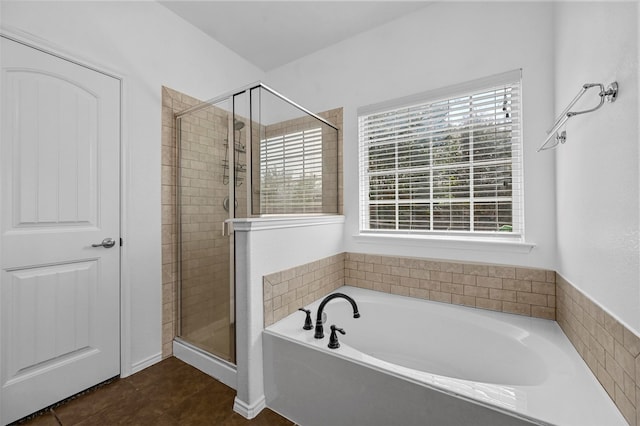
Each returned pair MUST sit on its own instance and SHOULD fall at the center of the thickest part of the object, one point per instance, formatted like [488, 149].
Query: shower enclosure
[251, 153]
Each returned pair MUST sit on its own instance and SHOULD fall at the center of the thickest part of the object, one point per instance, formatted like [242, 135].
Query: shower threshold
[215, 367]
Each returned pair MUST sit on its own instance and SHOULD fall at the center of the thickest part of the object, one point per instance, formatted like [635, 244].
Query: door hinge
[121, 242]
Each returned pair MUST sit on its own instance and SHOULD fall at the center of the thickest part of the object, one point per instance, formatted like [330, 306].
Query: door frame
[50, 48]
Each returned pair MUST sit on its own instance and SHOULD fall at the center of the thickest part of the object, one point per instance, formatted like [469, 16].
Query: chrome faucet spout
[319, 331]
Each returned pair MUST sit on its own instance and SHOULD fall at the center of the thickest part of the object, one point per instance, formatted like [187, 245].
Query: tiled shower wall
[611, 350]
[205, 251]
[522, 291]
[331, 157]
[334, 116]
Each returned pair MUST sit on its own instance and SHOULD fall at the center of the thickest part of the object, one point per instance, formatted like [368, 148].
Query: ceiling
[270, 34]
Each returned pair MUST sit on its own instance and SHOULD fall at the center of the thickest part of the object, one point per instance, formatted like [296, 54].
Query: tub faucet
[319, 334]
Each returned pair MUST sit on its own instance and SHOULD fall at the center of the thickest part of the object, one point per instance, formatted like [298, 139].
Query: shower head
[237, 124]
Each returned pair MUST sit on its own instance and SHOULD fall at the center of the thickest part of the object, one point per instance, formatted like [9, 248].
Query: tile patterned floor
[169, 393]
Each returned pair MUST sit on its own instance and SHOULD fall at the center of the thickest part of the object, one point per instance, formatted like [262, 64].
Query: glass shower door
[205, 182]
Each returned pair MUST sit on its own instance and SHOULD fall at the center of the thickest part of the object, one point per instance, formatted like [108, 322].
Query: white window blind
[441, 163]
[291, 173]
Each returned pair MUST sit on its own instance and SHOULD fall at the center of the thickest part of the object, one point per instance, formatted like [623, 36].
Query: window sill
[456, 243]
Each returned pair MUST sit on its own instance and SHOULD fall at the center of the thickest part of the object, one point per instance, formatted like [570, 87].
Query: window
[447, 162]
[291, 173]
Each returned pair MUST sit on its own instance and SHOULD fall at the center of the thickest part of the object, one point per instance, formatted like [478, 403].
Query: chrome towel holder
[610, 95]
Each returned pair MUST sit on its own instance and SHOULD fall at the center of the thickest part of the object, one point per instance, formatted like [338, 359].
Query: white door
[59, 195]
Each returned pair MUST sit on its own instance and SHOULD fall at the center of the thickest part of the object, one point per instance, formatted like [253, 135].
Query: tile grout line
[56, 417]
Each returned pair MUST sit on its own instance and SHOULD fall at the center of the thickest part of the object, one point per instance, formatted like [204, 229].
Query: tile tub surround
[611, 350]
[511, 289]
[523, 291]
[286, 291]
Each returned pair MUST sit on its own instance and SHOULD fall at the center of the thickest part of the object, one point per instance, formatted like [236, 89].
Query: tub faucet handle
[308, 324]
[333, 339]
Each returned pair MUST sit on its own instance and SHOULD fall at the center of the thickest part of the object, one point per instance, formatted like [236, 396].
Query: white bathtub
[408, 361]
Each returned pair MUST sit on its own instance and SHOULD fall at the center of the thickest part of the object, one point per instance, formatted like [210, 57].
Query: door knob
[106, 243]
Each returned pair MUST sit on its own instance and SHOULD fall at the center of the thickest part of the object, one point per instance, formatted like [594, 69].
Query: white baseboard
[249, 411]
[147, 362]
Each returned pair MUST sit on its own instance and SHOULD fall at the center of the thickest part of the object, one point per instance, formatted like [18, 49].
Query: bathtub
[409, 362]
